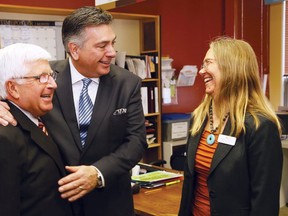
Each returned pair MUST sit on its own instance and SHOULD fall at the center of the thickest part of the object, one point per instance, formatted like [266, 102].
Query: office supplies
[172, 182]
[152, 185]
[152, 191]
[155, 176]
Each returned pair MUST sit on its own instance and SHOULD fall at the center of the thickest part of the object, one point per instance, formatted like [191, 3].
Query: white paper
[166, 95]
[187, 75]
[179, 130]
[100, 2]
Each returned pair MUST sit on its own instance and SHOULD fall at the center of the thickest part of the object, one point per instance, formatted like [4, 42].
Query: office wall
[187, 26]
[186, 30]
[72, 4]
[276, 84]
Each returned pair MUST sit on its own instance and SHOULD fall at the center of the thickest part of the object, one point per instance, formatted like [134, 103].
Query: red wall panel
[72, 4]
[187, 26]
[186, 29]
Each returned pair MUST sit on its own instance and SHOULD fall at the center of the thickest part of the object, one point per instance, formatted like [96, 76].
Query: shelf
[148, 29]
[150, 80]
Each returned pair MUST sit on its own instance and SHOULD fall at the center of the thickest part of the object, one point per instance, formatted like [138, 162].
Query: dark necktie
[85, 110]
[42, 126]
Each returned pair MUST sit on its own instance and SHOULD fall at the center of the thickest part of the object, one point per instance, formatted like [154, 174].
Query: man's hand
[5, 116]
[81, 181]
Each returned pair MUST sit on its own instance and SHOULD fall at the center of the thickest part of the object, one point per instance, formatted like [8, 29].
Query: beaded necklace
[211, 137]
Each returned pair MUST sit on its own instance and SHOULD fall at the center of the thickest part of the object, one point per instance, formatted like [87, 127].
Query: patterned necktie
[42, 126]
[85, 110]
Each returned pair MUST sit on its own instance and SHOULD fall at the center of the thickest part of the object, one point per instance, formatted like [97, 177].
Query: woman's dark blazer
[244, 179]
[30, 167]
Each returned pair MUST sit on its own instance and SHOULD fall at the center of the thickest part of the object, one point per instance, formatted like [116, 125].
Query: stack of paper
[157, 178]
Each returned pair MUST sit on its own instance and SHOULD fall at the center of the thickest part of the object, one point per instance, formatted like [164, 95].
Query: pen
[172, 182]
[152, 191]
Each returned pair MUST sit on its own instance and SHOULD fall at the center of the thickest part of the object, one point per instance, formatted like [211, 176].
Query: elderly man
[30, 163]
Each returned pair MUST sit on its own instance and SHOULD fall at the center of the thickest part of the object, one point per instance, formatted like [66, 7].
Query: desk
[162, 201]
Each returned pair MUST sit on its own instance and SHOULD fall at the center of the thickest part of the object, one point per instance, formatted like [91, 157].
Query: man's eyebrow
[106, 41]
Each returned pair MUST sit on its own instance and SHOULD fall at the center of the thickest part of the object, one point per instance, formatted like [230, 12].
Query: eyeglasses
[206, 63]
[43, 78]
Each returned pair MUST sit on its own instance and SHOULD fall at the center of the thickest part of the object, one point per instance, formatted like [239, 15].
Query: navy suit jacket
[30, 167]
[116, 136]
[244, 179]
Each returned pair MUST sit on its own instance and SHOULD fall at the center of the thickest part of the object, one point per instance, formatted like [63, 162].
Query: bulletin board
[39, 30]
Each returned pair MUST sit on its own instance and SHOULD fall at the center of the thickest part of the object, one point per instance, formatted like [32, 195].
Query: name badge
[229, 140]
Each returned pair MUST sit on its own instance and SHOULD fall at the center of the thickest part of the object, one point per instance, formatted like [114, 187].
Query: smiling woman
[235, 137]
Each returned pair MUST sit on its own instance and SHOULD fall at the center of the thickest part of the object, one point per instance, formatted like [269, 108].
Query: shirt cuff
[102, 178]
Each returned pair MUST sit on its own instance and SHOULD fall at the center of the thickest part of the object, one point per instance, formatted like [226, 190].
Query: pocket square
[120, 111]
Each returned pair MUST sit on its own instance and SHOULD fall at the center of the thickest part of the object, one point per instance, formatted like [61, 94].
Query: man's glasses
[43, 78]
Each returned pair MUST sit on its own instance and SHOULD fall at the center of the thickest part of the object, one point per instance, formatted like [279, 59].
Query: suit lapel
[64, 95]
[222, 149]
[41, 140]
[220, 153]
[102, 102]
[193, 145]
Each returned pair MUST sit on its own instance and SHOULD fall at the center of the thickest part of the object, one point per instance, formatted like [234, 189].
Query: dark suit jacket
[244, 179]
[115, 142]
[30, 167]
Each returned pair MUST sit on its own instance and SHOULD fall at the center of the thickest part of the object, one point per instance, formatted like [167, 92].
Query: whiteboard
[32, 29]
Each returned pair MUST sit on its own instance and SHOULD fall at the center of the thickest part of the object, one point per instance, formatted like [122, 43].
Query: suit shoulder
[10, 135]
[59, 65]
[122, 72]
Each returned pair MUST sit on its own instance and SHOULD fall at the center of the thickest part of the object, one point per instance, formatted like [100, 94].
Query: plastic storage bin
[175, 126]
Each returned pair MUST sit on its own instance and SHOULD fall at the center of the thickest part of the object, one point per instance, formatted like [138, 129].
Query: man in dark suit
[100, 160]
[30, 163]
[116, 139]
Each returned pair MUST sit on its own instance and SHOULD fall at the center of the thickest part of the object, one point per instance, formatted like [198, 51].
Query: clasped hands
[80, 181]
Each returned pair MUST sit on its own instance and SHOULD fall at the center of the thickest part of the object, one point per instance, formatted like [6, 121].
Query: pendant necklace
[211, 137]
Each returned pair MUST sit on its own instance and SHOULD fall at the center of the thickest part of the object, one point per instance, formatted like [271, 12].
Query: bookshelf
[137, 34]
[146, 31]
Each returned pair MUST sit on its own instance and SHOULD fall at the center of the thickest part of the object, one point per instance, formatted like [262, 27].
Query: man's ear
[12, 89]
[73, 48]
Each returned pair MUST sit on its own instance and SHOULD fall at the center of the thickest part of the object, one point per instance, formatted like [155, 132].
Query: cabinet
[145, 42]
[168, 149]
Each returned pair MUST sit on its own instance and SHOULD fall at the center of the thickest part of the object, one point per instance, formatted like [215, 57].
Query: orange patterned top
[203, 159]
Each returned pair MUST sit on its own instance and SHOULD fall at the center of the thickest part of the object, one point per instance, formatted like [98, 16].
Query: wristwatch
[99, 181]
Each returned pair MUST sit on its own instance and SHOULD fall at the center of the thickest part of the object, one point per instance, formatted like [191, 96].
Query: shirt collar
[76, 76]
[28, 114]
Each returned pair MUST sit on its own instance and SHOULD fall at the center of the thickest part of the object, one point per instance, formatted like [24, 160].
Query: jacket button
[214, 212]
[212, 194]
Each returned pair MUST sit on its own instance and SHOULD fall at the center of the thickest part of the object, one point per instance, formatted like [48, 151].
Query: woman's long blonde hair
[240, 87]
